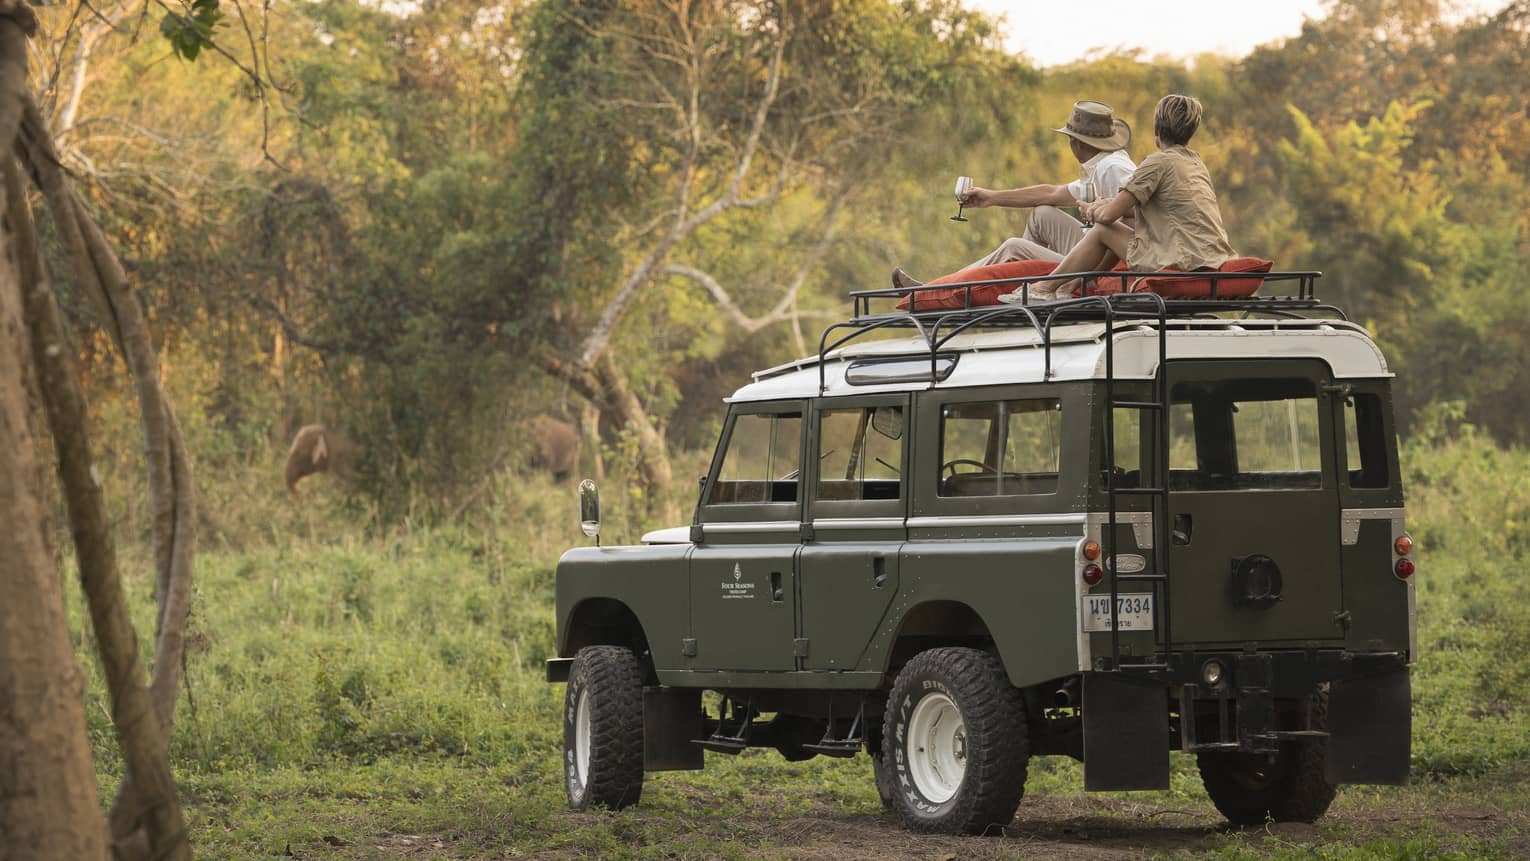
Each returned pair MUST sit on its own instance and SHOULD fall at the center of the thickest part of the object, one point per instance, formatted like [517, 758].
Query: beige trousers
[1049, 235]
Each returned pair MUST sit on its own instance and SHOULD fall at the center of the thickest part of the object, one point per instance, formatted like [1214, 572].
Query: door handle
[1184, 526]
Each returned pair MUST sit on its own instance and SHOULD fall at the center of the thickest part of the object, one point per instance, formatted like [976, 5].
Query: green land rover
[1106, 528]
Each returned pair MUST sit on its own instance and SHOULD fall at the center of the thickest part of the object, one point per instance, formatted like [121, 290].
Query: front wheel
[603, 729]
[1288, 786]
[955, 743]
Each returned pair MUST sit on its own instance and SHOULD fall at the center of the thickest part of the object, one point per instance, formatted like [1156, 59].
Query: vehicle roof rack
[938, 326]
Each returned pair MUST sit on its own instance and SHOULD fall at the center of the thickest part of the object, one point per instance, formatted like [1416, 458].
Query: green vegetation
[361, 689]
[434, 261]
[402, 242]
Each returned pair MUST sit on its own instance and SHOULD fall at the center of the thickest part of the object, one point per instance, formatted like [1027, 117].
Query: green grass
[349, 691]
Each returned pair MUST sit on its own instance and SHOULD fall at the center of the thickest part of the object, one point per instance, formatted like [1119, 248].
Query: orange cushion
[1196, 286]
[1199, 286]
[983, 294]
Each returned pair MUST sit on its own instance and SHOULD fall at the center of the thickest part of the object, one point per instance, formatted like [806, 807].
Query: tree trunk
[589, 429]
[606, 387]
[48, 803]
[653, 453]
[153, 805]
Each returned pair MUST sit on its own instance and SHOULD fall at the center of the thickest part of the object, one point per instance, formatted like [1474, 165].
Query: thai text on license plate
[1135, 610]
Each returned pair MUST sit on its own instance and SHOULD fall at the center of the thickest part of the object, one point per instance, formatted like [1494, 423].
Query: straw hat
[1094, 124]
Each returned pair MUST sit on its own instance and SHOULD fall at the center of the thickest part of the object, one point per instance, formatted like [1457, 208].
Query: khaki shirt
[1178, 223]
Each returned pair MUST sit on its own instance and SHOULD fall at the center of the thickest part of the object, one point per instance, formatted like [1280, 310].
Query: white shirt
[1108, 170]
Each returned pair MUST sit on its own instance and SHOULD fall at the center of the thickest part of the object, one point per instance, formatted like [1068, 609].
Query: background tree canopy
[444, 219]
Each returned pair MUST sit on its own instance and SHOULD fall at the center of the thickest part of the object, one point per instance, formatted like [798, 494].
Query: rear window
[1245, 435]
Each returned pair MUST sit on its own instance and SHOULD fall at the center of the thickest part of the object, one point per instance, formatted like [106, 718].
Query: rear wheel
[1288, 786]
[954, 743]
[603, 729]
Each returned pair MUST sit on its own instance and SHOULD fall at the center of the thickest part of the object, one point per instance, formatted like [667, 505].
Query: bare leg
[1093, 253]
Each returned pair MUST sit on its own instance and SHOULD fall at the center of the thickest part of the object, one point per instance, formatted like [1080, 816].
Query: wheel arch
[603, 622]
[936, 623]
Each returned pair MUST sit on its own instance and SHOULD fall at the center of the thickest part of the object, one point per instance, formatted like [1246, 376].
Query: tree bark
[146, 818]
[589, 428]
[605, 387]
[653, 454]
[48, 804]
[143, 743]
[170, 490]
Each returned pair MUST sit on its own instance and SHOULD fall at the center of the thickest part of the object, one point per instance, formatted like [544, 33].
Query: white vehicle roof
[1001, 356]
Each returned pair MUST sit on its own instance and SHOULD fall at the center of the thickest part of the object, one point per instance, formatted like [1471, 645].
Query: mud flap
[671, 718]
[1126, 733]
[1370, 729]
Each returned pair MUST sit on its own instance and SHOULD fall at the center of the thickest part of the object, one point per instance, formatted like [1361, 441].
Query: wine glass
[963, 185]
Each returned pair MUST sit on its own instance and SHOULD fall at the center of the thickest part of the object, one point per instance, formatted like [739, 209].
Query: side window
[860, 453]
[1365, 442]
[1000, 448]
[1245, 435]
[761, 464]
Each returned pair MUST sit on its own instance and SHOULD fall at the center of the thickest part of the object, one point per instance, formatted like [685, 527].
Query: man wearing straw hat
[1098, 140]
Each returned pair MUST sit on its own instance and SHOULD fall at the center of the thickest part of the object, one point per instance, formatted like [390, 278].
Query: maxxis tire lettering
[993, 718]
[612, 678]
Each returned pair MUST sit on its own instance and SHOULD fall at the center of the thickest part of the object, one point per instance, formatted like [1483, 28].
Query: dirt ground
[1086, 828]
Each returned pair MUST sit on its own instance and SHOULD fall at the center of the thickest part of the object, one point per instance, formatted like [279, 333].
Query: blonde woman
[1178, 225]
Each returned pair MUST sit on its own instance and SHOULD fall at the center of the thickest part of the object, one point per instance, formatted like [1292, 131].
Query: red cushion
[1196, 286]
[1199, 286]
[983, 294]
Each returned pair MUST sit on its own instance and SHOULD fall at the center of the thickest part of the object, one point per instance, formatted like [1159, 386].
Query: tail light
[1403, 545]
[1403, 569]
[1091, 550]
[1093, 574]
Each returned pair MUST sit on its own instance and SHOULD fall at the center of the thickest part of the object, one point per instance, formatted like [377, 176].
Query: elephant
[553, 445]
[314, 449]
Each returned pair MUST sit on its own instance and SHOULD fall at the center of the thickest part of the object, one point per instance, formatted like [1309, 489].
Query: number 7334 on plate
[1134, 609]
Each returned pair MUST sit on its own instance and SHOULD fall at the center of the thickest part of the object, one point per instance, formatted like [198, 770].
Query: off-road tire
[993, 741]
[1290, 786]
[611, 678]
[887, 785]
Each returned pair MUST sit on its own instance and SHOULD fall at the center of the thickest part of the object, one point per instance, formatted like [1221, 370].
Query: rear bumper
[1284, 674]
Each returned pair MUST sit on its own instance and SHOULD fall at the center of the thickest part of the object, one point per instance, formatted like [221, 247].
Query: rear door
[849, 571]
[1254, 503]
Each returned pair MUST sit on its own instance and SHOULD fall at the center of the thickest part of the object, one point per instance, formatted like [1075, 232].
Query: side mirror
[589, 508]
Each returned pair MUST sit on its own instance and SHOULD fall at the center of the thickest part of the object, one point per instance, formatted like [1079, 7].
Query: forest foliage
[419, 222]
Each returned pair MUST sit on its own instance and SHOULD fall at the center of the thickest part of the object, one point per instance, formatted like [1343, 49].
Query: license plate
[1135, 609]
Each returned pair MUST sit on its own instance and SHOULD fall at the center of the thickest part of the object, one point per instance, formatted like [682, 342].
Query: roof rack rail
[937, 326]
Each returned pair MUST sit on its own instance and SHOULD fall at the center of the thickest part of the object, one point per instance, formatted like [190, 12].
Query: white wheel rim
[582, 737]
[937, 748]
